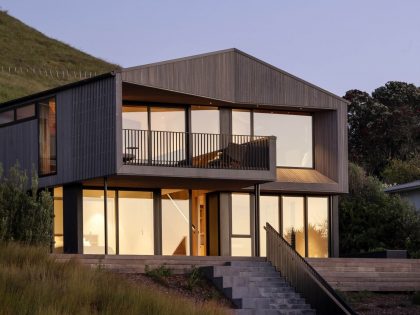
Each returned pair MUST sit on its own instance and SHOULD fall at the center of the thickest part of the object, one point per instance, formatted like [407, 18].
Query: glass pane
[293, 221]
[241, 214]
[93, 222]
[205, 122]
[168, 148]
[27, 111]
[205, 119]
[269, 212]
[241, 122]
[317, 226]
[58, 220]
[294, 137]
[175, 222]
[7, 117]
[136, 223]
[241, 246]
[47, 137]
[135, 134]
[135, 117]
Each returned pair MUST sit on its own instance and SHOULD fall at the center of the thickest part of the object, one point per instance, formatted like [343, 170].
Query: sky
[338, 45]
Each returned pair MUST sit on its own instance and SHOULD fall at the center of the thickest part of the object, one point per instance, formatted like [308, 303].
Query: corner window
[7, 117]
[47, 122]
[294, 137]
[25, 112]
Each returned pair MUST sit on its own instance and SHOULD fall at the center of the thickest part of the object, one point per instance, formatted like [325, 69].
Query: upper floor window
[47, 126]
[294, 145]
[17, 114]
[294, 137]
[205, 119]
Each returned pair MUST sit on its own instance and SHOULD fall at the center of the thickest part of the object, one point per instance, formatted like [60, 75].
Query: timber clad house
[185, 157]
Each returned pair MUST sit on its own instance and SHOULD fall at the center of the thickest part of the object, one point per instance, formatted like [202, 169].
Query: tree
[399, 172]
[371, 219]
[384, 126]
[24, 216]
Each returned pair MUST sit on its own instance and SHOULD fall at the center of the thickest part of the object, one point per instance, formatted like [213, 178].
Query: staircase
[255, 288]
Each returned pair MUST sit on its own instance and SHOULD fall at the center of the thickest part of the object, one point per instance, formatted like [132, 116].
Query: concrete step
[274, 312]
[255, 291]
[232, 281]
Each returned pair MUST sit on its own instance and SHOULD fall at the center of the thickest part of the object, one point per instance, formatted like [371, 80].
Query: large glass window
[168, 148]
[135, 117]
[175, 222]
[47, 137]
[58, 220]
[241, 225]
[205, 119]
[135, 219]
[94, 222]
[294, 137]
[293, 222]
[241, 122]
[318, 226]
[269, 212]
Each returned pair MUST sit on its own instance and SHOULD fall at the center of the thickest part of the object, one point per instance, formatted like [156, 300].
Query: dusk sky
[337, 45]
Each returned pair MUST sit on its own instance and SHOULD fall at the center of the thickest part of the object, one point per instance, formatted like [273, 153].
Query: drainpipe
[257, 218]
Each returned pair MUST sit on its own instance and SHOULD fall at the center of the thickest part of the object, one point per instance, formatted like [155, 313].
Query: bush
[159, 274]
[24, 216]
[399, 172]
[370, 218]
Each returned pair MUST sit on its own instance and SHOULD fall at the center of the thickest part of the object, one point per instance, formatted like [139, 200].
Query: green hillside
[31, 62]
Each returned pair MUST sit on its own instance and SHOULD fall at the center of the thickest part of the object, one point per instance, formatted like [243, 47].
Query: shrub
[194, 278]
[370, 218]
[25, 216]
[158, 274]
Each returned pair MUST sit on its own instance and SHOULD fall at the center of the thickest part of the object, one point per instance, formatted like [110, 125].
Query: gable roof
[404, 187]
[232, 76]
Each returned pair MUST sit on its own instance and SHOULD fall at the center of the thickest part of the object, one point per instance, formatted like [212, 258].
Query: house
[408, 191]
[185, 157]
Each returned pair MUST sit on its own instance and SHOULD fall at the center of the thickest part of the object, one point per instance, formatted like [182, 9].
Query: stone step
[231, 281]
[254, 291]
[235, 270]
[267, 303]
[249, 263]
[274, 312]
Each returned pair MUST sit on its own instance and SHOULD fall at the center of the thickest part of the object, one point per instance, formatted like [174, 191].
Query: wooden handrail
[303, 277]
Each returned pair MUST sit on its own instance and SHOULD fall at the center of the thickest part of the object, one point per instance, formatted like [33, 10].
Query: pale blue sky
[336, 44]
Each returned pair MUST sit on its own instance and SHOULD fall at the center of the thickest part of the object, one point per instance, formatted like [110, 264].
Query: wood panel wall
[86, 121]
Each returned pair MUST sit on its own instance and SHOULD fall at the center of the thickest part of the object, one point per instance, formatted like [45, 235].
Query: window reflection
[175, 222]
[269, 212]
[135, 117]
[294, 137]
[293, 222]
[205, 119]
[47, 137]
[317, 226]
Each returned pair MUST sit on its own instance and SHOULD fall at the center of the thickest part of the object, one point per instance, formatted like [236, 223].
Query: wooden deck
[370, 274]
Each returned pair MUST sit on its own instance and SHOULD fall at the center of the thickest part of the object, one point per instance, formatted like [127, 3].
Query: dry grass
[32, 283]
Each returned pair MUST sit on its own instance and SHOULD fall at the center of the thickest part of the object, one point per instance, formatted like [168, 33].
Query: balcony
[206, 156]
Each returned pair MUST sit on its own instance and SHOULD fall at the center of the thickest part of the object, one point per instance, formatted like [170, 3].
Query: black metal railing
[303, 277]
[197, 150]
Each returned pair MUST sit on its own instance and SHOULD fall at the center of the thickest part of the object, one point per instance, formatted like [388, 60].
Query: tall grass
[33, 283]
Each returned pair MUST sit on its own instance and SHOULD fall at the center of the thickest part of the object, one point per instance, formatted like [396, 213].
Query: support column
[157, 221]
[334, 228]
[106, 213]
[257, 192]
[73, 219]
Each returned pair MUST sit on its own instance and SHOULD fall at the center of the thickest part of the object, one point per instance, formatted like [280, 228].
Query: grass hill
[31, 62]
[31, 282]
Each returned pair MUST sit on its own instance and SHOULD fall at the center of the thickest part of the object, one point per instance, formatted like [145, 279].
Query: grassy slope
[32, 283]
[23, 46]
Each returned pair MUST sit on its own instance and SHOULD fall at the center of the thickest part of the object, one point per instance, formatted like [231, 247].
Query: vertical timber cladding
[86, 142]
[19, 143]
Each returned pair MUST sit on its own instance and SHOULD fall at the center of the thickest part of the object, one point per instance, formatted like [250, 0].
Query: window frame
[14, 109]
[38, 132]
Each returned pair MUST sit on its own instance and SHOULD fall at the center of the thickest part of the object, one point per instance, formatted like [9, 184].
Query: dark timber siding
[86, 120]
[86, 132]
[209, 75]
[19, 142]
